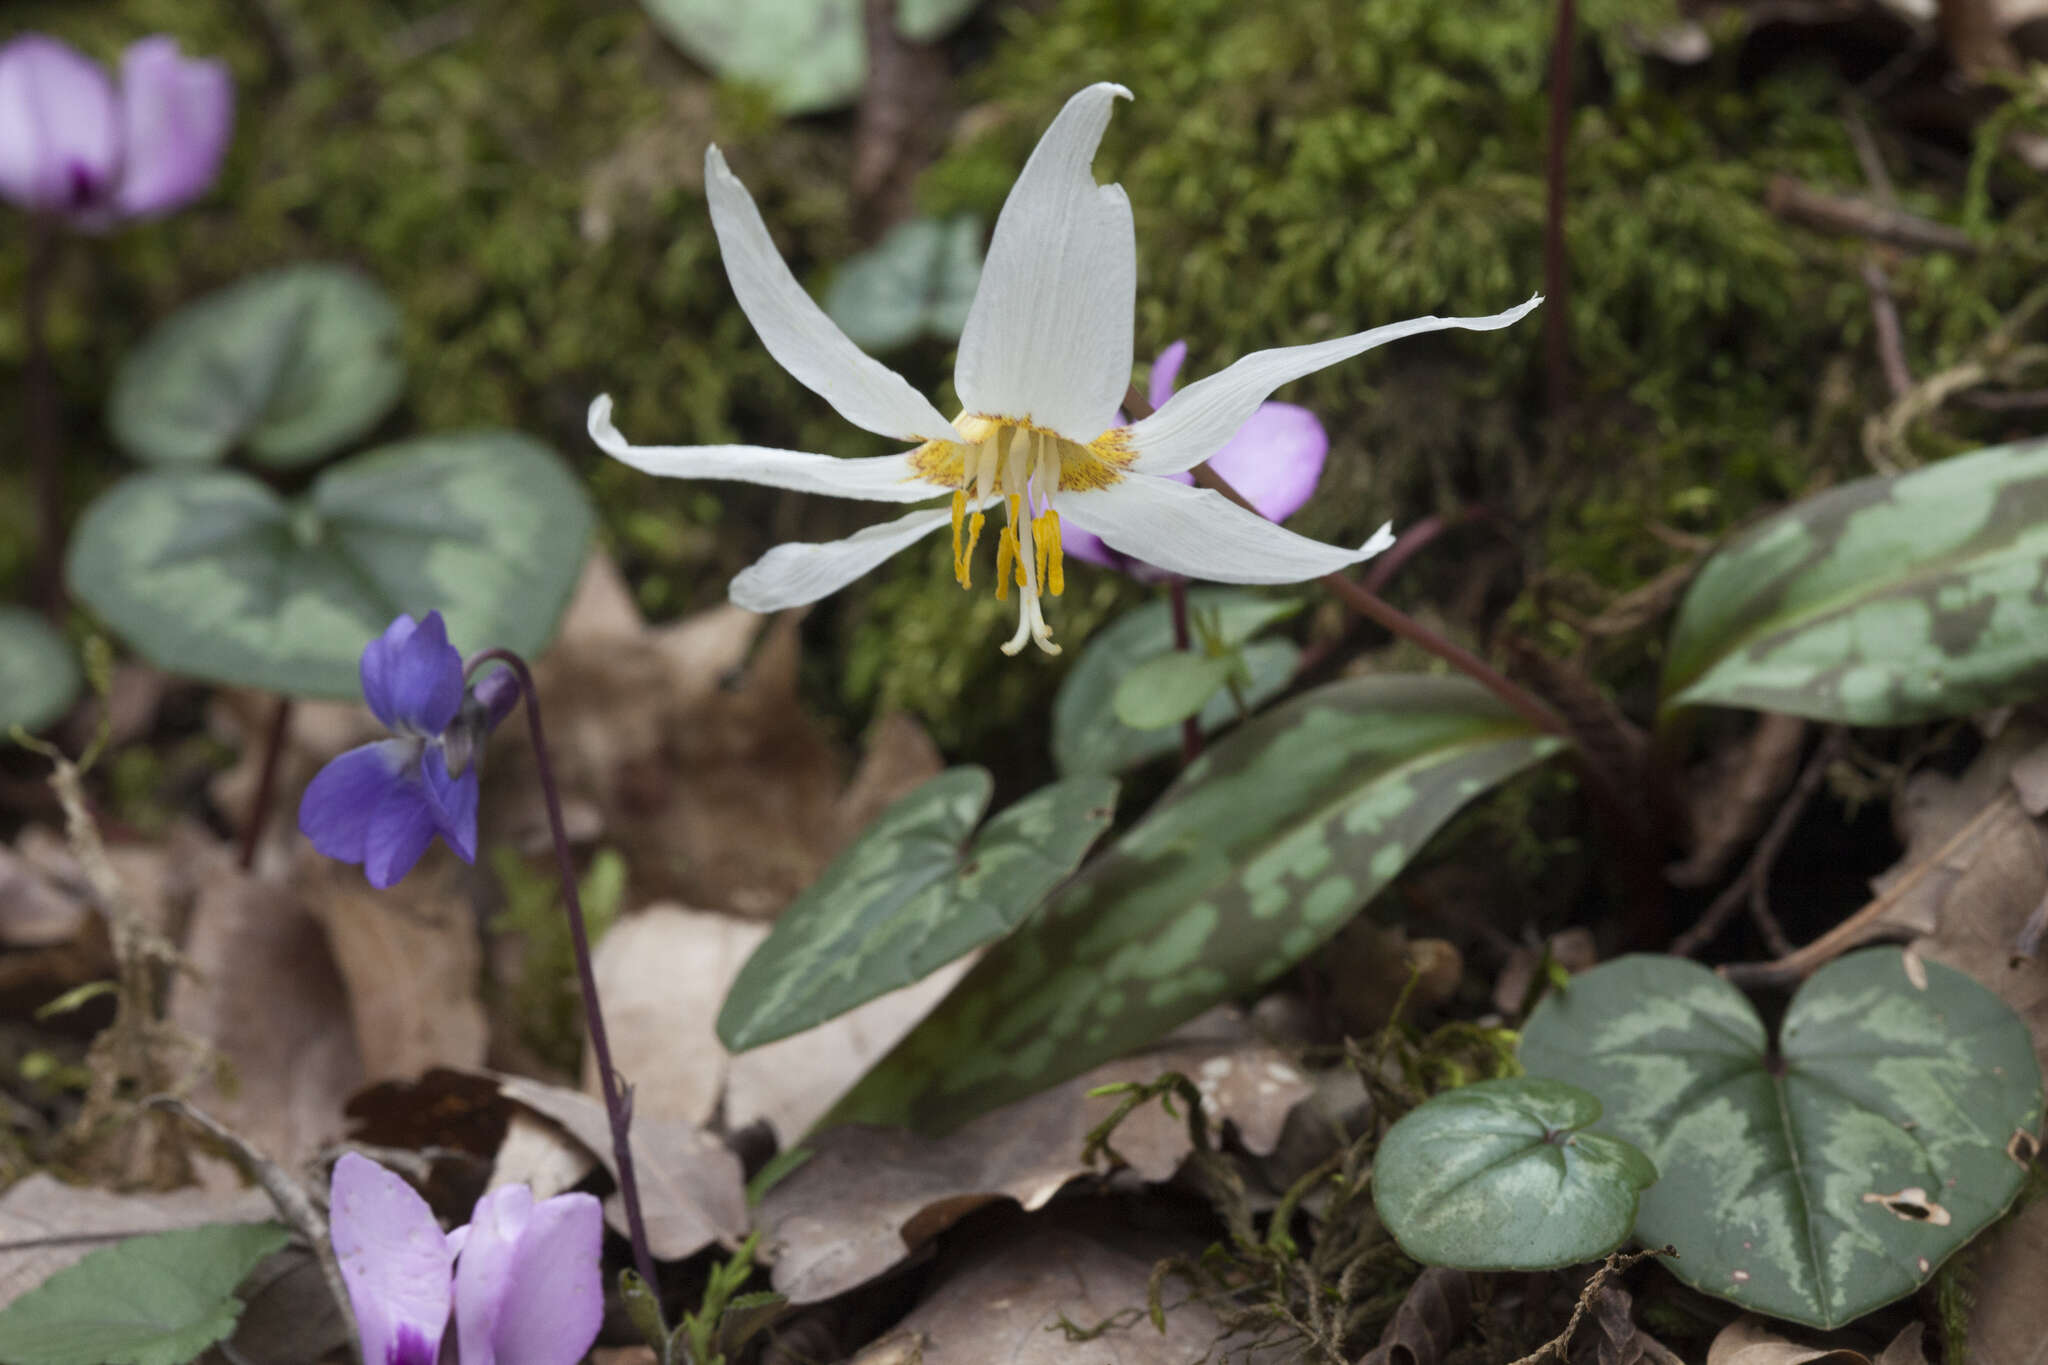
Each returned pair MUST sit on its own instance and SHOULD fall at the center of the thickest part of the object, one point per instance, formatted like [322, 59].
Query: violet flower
[526, 1287]
[75, 146]
[1274, 459]
[381, 805]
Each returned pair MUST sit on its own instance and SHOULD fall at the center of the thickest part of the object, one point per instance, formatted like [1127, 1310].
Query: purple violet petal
[496, 692]
[59, 136]
[1159, 384]
[394, 1261]
[484, 1270]
[553, 1300]
[425, 679]
[335, 811]
[1275, 459]
[379, 664]
[177, 113]
[454, 802]
[401, 827]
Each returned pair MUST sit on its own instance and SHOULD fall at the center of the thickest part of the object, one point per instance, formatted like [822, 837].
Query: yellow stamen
[959, 551]
[1051, 572]
[1006, 559]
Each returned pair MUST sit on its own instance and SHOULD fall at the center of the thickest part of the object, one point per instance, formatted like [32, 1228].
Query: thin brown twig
[266, 782]
[1798, 202]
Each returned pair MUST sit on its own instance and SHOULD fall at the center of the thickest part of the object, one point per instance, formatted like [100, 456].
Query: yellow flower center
[1025, 466]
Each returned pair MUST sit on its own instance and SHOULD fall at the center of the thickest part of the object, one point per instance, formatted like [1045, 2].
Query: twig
[266, 782]
[1190, 726]
[1556, 275]
[1796, 201]
[1891, 342]
[618, 1097]
[1613, 1266]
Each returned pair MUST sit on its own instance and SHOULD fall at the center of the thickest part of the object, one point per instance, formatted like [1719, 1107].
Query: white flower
[1044, 360]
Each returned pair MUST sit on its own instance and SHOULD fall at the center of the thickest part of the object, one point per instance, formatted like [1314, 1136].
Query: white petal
[1203, 416]
[1049, 336]
[881, 478]
[796, 331]
[1203, 534]
[791, 575]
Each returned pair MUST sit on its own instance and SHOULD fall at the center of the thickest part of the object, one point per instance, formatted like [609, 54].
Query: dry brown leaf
[1733, 795]
[2009, 1320]
[1751, 1340]
[1431, 1320]
[291, 1316]
[42, 1208]
[1572, 949]
[33, 912]
[869, 1196]
[1609, 1334]
[692, 1190]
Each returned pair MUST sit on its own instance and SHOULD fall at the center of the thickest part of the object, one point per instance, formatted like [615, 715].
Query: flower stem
[266, 781]
[1190, 727]
[618, 1097]
[39, 408]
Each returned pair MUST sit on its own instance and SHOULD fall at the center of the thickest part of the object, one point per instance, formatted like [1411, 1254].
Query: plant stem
[39, 409]
[1190, 727]
[1556, 278]
[618, 1097]
[266, 781]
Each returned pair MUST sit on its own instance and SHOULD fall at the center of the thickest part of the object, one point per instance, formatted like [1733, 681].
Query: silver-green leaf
[1886, 601]
[1500, 1175]
[917, 281]
[38, 675]
[155, 1300]
[292, 364]
[1168, 688]
[1826, 1177]
[212, 574]
[909, 896]
[1265, 846]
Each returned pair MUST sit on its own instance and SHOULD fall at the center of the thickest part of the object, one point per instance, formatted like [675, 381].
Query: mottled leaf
[1884, 602]
[293, 363]
[212, 574]
[1168, 688]
[1821, 1179]
[1087, 737]
[910, 895]
[1500, 1176]
[38, 676]
[1265, 846]
[155, 1300]
[917, 281]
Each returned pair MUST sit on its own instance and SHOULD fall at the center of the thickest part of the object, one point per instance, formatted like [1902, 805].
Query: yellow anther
[959, 550]
[964, 567]
[1006, 559]
[1051, 572]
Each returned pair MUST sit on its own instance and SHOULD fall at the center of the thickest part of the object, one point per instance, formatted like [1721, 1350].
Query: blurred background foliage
[525, 179]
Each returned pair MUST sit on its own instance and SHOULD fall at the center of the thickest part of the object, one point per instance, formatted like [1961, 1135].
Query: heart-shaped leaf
[1821, 1179]
[909, 896]
[1266, 845]
[292, 363]
[155, 1300]
[917, 281]
[212, 574]
[1087, 737]
[1883, 602]
[1499, 1176]
[38, 676]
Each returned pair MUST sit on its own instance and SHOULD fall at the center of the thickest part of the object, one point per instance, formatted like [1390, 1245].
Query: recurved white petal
[1203, 534]
[791, 575]
[1203, 416]
[1049, 336]
[880, 478]
[796, 331]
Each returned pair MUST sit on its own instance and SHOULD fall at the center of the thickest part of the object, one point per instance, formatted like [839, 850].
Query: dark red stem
[618, 1097]
[1190, 728]
[266, 781]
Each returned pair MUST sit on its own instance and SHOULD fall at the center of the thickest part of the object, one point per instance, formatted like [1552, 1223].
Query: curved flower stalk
[1274, 460]
[76, 146]
[522, 1278]
[1044, 358]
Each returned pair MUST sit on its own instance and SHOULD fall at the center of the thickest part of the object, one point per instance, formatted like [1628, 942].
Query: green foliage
[1499, 1176]
[38, 675]
[1088, 733]
[155, 1300]
[212, 574]
[909, 896]
[1884, 602]
[546, 1000]
[1826, 1176]
[917, 281]
[295, 363]
[1265, 846]
[723, 1321]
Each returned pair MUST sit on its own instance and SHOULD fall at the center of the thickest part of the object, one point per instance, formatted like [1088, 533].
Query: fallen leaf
[1751, 1340]
[1572, 949]
[291, 1316]
[692, 1189]
[868, 1196]
[1731, 797]
[46, 1225]
[34, 913]
[1432, 1319]
[1610, 1334]
[2009, 1315]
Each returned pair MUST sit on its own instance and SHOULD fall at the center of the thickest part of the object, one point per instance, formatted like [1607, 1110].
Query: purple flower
[75, 147]
[381, 805]
[1274, 460]
[526, 1287]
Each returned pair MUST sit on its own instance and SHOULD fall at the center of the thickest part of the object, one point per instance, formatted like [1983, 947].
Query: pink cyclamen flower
[1274, 459]
[75, 146]
[525, 1288]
